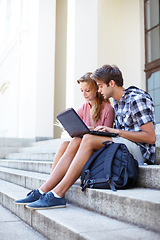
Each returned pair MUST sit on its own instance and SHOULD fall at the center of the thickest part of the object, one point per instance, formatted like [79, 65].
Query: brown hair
[107, 73]
[96, 109]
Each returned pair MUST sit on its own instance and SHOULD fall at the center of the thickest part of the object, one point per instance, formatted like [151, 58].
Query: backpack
[112, 166]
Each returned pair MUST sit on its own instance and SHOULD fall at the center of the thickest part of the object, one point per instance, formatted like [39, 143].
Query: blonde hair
[97, 107]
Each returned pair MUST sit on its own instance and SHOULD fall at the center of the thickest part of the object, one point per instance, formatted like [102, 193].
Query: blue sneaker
[47, 201]
[32, 196]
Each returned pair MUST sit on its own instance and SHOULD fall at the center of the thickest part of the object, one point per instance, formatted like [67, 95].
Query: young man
[134, 113]
[134, 122]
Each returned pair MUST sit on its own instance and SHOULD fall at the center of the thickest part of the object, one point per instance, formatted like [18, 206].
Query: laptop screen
[72, 123]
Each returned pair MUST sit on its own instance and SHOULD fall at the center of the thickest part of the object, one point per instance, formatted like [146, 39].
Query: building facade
[46, 45]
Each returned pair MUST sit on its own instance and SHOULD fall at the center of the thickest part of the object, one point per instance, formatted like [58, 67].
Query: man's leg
[61, 150]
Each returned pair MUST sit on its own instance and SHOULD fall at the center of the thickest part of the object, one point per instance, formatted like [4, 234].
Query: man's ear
[112, 83]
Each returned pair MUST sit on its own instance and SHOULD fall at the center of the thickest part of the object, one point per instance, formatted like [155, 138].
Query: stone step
[41, 155]
[158, 135]
[34, 166]
[31, 156]
[49, 146]
[71, 222]
[16, 142]
[148, 175]
[38, 149]
[26, 179]
[138, 206]
[6, 150]
[51, 142]
[9, 222]
[157, 158]
[45, 147]
[32, 152]
[44, 150]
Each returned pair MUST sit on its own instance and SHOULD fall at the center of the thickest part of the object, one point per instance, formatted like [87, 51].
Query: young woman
[94, 112]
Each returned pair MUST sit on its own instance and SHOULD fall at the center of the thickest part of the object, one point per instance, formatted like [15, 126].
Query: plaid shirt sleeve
[142, 109]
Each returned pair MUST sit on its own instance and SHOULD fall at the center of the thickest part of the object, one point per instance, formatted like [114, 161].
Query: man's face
[105, 90]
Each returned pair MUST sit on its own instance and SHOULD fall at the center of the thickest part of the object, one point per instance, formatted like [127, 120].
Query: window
[152, 51]
[153, 83]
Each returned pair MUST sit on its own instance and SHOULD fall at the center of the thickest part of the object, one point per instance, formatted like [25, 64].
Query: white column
[81, 46]
[60, 61]
[45, 69]
[28, 70]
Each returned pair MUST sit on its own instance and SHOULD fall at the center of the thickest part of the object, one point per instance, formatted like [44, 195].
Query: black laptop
[74, 125]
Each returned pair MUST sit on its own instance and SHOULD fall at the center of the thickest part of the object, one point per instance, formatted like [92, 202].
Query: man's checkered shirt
[134, 109]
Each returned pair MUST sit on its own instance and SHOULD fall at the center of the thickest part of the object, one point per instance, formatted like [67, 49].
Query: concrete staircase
[93, 214]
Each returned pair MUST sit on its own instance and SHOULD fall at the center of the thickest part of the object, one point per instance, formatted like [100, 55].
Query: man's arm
[146, 135]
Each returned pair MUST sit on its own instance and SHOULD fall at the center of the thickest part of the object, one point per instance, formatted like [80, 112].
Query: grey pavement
[13, 228]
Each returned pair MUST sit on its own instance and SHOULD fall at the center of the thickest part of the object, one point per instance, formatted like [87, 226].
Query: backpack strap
[108, 164]
[109, 159]
[92, 182]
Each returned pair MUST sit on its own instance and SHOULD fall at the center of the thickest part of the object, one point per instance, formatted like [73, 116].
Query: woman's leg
[61, 150]
[85, 151]
[62, 166]
[66, 173]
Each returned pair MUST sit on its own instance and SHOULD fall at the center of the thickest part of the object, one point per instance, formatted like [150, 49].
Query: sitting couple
[134, 121]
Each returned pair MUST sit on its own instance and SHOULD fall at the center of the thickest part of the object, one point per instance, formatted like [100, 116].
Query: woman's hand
[91, 128]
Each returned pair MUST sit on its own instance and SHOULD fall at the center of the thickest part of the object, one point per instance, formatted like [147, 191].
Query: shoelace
[47, 196]
[43, 195]
[31, 192]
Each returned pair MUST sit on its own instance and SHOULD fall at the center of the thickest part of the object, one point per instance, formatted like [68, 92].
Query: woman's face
[88, 92]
